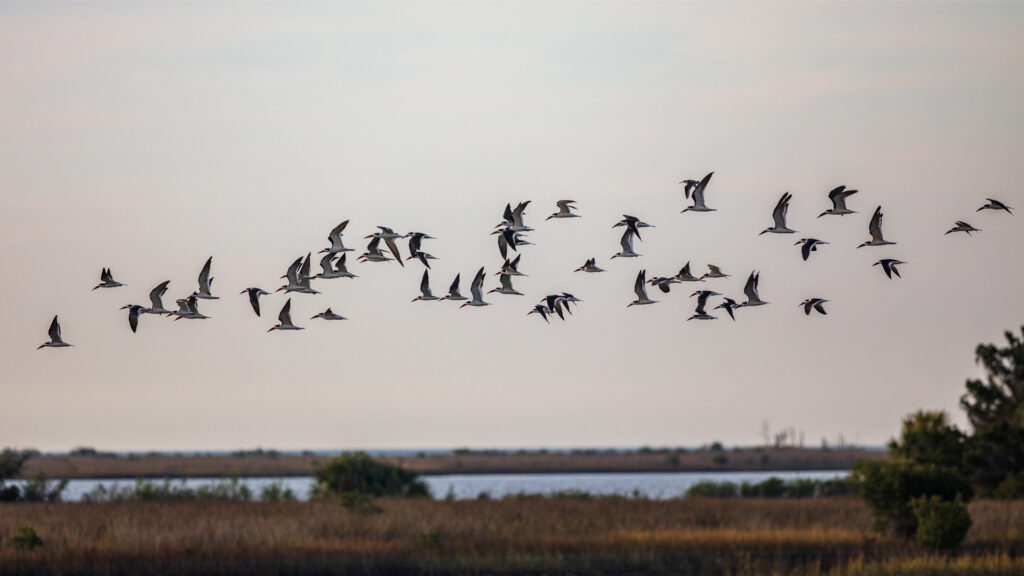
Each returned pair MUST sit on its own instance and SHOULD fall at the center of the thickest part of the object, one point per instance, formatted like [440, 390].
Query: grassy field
[274, 464]
[512, 536]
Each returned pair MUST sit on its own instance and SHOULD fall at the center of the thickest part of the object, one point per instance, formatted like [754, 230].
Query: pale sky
[146, 138]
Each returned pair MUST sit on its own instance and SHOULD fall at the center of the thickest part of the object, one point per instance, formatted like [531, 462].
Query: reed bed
[511, 536]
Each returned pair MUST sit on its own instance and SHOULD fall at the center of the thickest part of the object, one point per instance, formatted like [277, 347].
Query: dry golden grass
[525, 535]
[164, 465]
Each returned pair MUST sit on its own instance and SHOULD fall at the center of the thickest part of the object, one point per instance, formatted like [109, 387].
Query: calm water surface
[650, 485]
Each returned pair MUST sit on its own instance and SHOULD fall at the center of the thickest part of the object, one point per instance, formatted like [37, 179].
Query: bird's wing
[414, 243]
[156, 294]
[133, 318]
[819, 306]
[454, 288]
[514, 264]
[685, 270]
[325, 264]
[805, 250]
[507, 214]
[837, 197]
[54, 330]
[627, 241]
[394, 250]
[335, 236]
[285, 317]
[204, 274]
[698, 192]
[714, 269]
[105, 275]
[638, 287]
[293, 272]
[374, 246]
[425, 284]
[751, 288]
[875, 226]
[895, 269]
[779, 214]
[304, 271]
[254, 299]
[477, 287]
[503, 245]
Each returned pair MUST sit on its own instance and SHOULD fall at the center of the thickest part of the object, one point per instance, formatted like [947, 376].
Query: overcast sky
[146, 138]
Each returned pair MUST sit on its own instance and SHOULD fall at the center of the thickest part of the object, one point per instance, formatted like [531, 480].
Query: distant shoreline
[461, 462]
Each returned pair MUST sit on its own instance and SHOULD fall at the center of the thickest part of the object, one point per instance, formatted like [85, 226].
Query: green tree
[929, 438]
[890, 486]
[357, 472]
[995, 409]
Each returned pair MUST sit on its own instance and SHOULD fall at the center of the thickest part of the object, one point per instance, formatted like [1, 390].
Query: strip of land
[522, 535]
[269, 463]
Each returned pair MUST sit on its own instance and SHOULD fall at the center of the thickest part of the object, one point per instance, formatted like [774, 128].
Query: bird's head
[800, 241]
[281, 288]
[464, 305]
[322, 251]
[578, 269]
[442, 298]
[822, 214]
[617, 224]
[863, 244]
[765, 231]
[877, 263]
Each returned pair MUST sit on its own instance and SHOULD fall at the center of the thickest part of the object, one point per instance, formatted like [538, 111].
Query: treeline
[775, 487]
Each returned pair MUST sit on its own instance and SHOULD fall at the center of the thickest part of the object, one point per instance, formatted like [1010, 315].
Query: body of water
[649, 485]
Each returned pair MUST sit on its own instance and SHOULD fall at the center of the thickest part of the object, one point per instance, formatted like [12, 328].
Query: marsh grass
[517, 535]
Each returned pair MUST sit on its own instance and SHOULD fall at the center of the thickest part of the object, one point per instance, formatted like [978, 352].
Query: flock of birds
[511, 233]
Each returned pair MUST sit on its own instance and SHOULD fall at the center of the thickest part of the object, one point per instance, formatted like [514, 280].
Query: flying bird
[510, 268]
[188, 308]
[107, 280]
[663, 283]
[388, 236]
[690, 184]
[838, 196]
[506, 286]
[684, 275]
[589, 266]
[254, 297]
[205, 281]
[156, 299]
[328, 315]
[962, 226]
[425, 293]
[714, 272]
[875, 229]
[633, 223]
[627, 245]
[809, 245]
[477, 289]
[995, 205]
[285, 318]
[453, 291]
[326, 264]
[814, 303]
[702, 300]
[728, 305]
[542, 310]
[298, 277]
[753, 299]
[373, 252]
[564, 210]
[55, 339]
[698, 196]
[779, 216]
[889, 266]
[641, 291]
[510, 238]
[335, 239]
[133, 315]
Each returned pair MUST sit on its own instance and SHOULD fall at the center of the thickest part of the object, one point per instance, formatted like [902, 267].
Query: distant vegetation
[358, 473]
[775, 488]
[37, 488]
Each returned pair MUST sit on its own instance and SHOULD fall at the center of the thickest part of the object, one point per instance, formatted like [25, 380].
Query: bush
[429, 540]
[708, 489]
[941, 525]
[276, 492]
[25, 538]
[40, 489]
[888, 487]
[357, 472]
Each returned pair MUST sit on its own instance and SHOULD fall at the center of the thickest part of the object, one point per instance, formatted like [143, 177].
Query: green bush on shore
[357, 472]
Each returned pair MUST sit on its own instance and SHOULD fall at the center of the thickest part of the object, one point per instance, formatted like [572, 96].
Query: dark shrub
[889, 486]
[941, 525]
[708, 489]
[357, 472]
[25, 538]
